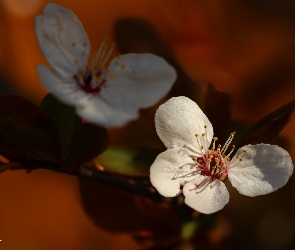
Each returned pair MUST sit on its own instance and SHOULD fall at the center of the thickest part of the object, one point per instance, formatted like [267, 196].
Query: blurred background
[245, 47]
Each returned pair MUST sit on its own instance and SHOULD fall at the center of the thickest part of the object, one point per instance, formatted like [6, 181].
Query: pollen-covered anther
[196, 135]
[203, 134]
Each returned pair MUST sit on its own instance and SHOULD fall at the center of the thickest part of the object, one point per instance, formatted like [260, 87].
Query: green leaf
[63, 116]
[88, 142]
[127, 161]
[268, 128]
[217, 108]
[26, 131]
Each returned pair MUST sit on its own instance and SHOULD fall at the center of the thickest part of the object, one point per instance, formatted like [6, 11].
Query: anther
[215, 138]
[203, 134]
[205, 126]
[196, 135]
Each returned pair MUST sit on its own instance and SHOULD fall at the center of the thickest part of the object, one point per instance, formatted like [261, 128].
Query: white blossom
[106, 96]
[194, 166]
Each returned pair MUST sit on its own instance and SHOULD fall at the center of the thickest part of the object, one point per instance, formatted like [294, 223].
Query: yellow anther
[217, 160]
[237, 156]
[241, 159]
[232, 134]
[195, 158]
[202, 147]
[203, 134]
[205, 126]
[196, 135]
[118, 57]
[112, 76]
[211, 156]
[234, 146]
[123, 66]
[209, 160]
[73, 44]
[228, 159]
[215, 138]
[84, 44]
[76, 61]
[245, 151]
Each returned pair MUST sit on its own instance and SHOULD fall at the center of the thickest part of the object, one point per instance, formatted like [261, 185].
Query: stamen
[233, 148]
[98, 55]
[108, 55]
[214, 140]
[228, 142]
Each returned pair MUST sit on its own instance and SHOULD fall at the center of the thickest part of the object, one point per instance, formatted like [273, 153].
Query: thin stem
[101, 177]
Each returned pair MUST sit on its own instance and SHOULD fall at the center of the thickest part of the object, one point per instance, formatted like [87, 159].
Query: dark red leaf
[88, 142]
[268, 128]
[26, 131]
[63, 116]
[217, 108]
[119, 212]
[134, 35]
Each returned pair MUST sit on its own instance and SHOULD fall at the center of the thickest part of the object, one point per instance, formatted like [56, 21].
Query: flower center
[93, 78]
[213, 162]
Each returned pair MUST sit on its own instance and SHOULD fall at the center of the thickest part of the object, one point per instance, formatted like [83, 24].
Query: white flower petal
[205, 196]
[65, 89]
[264, 169]
[178, 120]
[62, 39]
[143, 79]
[102, 113]
[167, 176]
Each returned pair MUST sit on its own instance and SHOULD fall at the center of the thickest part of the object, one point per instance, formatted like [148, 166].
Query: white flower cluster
[105, 96]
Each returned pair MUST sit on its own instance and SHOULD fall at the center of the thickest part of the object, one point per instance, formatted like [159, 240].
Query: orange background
[245, 48]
